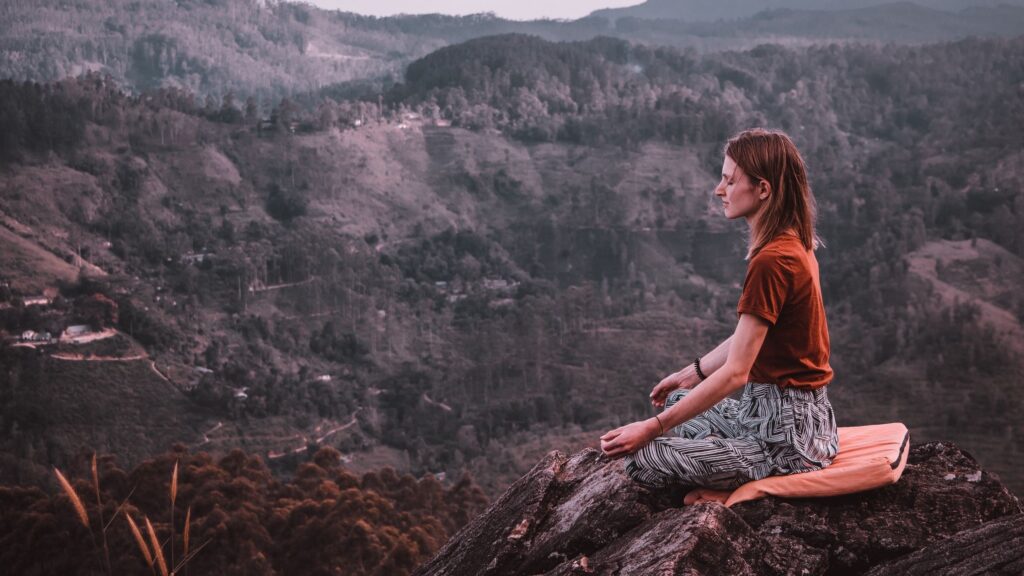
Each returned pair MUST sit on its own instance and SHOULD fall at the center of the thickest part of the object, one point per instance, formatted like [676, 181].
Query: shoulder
[780, 253]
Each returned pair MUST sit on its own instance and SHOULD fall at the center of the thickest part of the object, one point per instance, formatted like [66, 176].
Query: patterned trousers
[770, 431]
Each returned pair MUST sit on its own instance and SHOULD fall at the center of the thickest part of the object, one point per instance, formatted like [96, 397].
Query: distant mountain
[711, 10]
[249, 47]
[902, 22]
[270, 50]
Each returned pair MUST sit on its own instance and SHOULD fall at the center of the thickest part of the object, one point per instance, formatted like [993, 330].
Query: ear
[764, 189]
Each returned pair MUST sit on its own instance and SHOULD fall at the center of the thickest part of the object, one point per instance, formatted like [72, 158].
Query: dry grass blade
[188, 528]
[174, 496]
[119, 508]
[73, 496]
[174, 484]
[140, 540]
[99, 510]
[157, 551]
[189, 557]
[96, 478]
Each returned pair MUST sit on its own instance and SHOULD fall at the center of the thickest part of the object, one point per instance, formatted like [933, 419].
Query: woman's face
[739, 195]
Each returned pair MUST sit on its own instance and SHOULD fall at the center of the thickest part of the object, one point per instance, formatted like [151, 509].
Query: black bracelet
[659, 423]
[696, 365]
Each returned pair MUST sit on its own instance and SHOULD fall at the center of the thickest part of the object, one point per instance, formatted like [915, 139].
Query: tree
[284, 204]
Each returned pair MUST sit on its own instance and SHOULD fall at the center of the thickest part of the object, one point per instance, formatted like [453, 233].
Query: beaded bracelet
[700, 373]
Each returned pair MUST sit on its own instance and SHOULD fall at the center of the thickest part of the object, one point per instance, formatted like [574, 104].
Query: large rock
[994, 548]
[583, 515]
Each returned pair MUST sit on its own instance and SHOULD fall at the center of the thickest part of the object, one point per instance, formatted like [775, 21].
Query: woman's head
[765, 181]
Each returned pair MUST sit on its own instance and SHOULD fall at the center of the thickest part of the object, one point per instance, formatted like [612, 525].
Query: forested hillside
[267, 50]
[506, 257]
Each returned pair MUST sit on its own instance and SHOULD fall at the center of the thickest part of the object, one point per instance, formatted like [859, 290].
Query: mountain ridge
[712, 10]
[269, 50]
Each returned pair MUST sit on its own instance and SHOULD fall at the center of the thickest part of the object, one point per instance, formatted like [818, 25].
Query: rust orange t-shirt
[782, 286]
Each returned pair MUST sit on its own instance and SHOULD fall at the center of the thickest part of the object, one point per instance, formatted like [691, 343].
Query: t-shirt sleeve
[765, 287]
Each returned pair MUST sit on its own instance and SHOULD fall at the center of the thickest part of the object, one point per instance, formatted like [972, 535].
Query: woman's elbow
[736, 378]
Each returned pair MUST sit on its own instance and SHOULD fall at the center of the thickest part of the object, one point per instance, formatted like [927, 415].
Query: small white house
[77, 330]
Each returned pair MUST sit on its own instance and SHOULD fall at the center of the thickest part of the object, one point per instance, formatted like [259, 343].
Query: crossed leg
[709, 450]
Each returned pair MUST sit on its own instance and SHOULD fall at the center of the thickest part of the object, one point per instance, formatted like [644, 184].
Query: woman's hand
[671, 382]
[629, 438]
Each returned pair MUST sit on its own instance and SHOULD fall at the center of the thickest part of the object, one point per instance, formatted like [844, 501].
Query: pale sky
[511, 9]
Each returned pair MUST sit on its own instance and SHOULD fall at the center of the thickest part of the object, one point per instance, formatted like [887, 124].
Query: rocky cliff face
[581, 514]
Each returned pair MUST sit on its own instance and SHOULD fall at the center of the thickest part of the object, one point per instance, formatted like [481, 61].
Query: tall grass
[152, 552]
[141, 542]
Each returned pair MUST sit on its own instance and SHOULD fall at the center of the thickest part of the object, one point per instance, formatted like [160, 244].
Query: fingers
[612, 450]
[612, 444]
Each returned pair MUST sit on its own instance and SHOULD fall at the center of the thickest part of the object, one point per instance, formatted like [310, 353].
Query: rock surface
[994, 548]
[583, 515]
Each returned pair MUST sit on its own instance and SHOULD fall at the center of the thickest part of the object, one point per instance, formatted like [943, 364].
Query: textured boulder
[994, 548]
[582, 515]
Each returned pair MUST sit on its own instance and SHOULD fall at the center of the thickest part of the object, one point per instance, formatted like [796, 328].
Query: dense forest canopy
[607, 90]
[243, 520]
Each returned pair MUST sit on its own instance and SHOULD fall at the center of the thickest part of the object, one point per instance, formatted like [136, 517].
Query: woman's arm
[744, 345]
[687, 377]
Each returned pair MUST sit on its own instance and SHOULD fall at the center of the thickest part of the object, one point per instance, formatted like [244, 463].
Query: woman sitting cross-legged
[778, 354]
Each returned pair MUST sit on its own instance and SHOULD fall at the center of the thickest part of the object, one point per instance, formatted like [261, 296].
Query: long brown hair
[771, 156]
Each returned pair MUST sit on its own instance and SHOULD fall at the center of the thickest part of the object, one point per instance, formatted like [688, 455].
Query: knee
[641, 474]
[632, 467]
[676, 396]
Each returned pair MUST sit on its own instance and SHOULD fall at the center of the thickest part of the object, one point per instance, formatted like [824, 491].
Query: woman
[778, 353]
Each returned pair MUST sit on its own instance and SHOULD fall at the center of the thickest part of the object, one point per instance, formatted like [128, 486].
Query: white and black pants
[770, 431]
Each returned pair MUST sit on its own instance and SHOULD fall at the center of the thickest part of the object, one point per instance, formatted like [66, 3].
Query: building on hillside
[499, 284]
[77, 330]
[33, 336]
[36, 301]
[195, 258]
